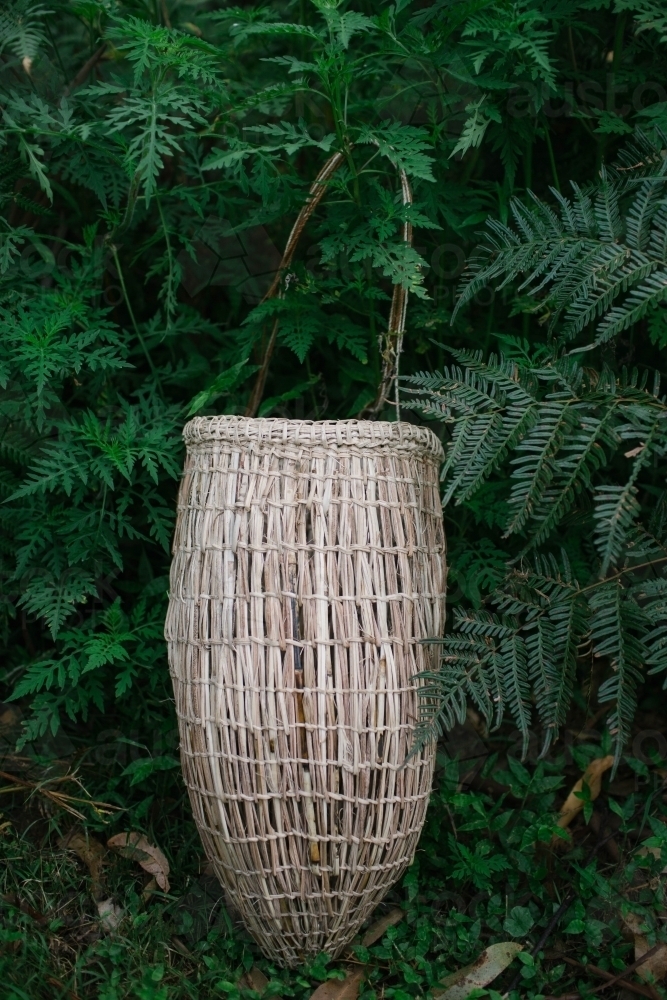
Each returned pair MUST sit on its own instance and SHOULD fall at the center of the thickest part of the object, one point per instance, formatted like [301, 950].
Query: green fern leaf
[617, 624]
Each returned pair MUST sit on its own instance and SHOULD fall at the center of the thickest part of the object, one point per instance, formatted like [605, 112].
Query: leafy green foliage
[147, 183]
[593, 251]
[581, 448]
[153, 159]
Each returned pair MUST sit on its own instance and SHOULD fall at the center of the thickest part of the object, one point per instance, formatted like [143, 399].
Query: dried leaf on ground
[643, 852]
[51, 980]
[181, 948]
[110, 915]
[379, 928]
[340, 989]
[655, 967]
[138, 848]
[486, 967]
[92, 853]
[255, 980]
[150, 888]
[592, 777]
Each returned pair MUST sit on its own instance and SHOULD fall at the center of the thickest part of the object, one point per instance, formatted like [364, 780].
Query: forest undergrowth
[154, 155]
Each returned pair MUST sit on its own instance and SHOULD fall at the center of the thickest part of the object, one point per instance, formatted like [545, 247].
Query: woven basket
[309, 562]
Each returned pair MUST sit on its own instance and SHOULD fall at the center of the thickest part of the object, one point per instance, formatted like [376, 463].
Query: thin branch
[85, 70]
[260, 381]
[315, 195]
[560, 912]
[135, 325]
[594, 970]
[622, 572]
[629, 969]
[613, 980]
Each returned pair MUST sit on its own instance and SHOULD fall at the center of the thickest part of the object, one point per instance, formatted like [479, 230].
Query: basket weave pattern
[308, 564]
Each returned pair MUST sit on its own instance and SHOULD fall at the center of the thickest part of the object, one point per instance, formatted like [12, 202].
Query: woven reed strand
[309, 562]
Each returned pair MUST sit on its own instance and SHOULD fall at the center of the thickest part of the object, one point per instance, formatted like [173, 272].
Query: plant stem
[560, 912]
[619, 35]
[471, 164]
[528, 167]
[603, 974]
[260, 381]
[170, 304]
[128, 305]
[622, 572]
[570, 42]
[552, 159]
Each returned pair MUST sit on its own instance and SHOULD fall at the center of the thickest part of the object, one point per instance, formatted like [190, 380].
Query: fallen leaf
[378, 929]
[654, 968]
[138, 848]
[150, 888]
[13, 900]
[10, 716]
[643, 852]
[592, 777]
[52, 981]
[92, 853]
[486, 967]
[254, 980]
[110, 915]
[181, 948]
[340, 989]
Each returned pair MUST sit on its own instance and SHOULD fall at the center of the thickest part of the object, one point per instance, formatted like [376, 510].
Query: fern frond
[481, 623]
[591, 252]
[617, 625]
[594, 292]
[569, 624]
[658, 238]
[478, 447]
[583, 452]
[503, 373]
[516, 689]
[55, 599]
[541, 653]
[643, 211]
[616, 508]
[642, 156]
[607, 209]
[21, 28]
[584, 212]
[651, 292]
[655, 641]
[535, 465]
[443, 695]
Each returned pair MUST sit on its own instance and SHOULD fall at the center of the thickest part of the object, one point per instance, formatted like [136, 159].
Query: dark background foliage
[154, 157]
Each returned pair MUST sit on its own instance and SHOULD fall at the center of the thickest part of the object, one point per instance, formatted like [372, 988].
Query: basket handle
[391, 342]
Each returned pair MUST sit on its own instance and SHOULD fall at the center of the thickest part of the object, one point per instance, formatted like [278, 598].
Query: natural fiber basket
[308, 565]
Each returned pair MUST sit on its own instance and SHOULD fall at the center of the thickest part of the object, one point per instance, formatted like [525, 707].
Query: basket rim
[327, 433]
